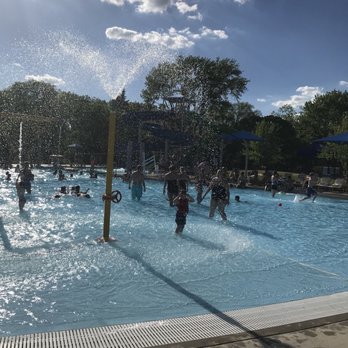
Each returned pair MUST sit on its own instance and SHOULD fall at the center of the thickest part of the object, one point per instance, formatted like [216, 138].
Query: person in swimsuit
[8, 176]
[310, 191]
[62, 191]
[182, 201]
[274, 183]
[220, 194]
[183, 180]
[171, 185]
[27, 177]
[137, 183]
[20, 186]
[200, 181]
[76, 190]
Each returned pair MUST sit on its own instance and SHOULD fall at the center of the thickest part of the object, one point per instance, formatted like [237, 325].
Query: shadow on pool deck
[265, 342]
[204, 243]
[5, 240]
[328, 335]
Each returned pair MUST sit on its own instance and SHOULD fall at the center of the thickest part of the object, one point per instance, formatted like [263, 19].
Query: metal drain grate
[188, 329]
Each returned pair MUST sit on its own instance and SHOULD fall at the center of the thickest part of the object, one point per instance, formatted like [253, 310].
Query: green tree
[288, 113]
[244, 110]
[31, 97]
[207, 87]
[89, 125]
[337, 153]
[323, 116]
[50, 119]
[279, 150]
[34, 104]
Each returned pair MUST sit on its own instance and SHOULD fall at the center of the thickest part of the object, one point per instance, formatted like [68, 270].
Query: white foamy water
[55, 276]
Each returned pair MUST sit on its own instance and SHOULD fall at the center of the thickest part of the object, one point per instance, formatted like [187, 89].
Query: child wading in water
[182, 203]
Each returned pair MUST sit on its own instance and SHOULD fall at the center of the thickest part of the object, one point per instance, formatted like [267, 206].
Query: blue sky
[290, 50]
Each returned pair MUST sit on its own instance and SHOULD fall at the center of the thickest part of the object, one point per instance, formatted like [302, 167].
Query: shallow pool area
[54, 275]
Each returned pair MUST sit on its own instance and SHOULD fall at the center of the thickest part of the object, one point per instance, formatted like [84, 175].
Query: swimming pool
[54, 276]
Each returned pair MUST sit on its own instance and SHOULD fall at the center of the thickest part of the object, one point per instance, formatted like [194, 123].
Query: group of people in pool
[308, 185]
[74, 191]
[176, 185]
[23, 185]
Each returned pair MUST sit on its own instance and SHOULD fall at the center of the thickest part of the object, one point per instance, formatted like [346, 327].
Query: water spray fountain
[112, 68]
[103, 67]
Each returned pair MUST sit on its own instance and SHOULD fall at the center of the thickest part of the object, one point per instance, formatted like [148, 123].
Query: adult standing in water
[201, 181]
[137, 183]
[27, 177]
[171, 185]
[220, 194]
[20, 187]
[184, 179]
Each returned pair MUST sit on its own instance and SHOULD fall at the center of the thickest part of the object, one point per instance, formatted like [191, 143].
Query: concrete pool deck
[332, 335]
[314, 322]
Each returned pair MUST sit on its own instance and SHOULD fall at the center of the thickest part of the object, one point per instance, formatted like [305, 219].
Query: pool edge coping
[201, 330]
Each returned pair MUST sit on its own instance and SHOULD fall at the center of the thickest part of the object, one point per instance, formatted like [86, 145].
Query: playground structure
[154, 123]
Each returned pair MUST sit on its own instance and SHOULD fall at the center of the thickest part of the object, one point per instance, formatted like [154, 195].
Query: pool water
[54, 275]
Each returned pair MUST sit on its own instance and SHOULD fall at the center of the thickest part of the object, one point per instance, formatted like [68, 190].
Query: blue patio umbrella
[341, 138]
[244, 136]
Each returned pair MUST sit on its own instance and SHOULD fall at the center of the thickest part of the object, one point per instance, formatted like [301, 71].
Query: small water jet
[20, 144]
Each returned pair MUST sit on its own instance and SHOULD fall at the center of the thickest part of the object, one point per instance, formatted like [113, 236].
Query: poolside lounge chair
[324, 183]
[339, 184]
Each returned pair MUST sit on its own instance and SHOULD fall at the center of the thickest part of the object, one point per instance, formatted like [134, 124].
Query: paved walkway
[333, 335]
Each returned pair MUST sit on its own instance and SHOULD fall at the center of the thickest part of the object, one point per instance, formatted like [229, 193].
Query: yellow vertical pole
[109, 175]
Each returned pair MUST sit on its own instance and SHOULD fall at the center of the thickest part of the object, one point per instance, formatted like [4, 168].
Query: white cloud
[241, 2]
[206, 32]
[343, 83]
[261, 100]
[183, 7]
[152, 6]
[174, 39]
[114, 2]
[157, 6]
[306, 93]
[197, 17]
[46, 78]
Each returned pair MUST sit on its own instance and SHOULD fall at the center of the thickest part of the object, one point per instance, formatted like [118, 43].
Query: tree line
[203, 94]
